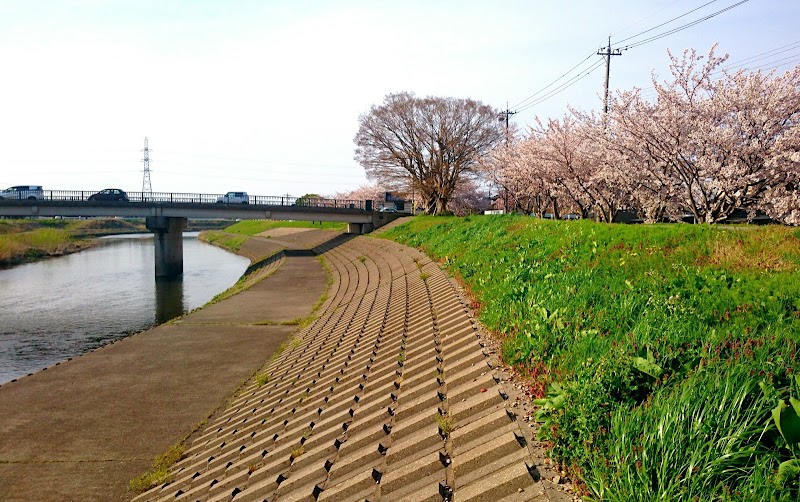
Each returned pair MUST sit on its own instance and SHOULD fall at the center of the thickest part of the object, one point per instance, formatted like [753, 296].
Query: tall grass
[631, 333]
[26, 239]
[15, 247]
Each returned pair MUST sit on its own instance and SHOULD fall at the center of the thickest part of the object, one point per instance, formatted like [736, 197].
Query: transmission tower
[146, 186]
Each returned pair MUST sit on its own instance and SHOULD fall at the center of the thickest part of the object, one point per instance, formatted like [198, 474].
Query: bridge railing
[199, 198]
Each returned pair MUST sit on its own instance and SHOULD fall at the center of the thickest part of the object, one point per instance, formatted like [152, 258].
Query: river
[62, 307]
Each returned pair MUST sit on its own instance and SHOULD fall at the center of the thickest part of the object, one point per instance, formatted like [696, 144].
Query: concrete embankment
[83, 429]
[390, 393]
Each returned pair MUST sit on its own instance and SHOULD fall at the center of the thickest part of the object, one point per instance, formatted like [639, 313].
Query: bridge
[167, 214]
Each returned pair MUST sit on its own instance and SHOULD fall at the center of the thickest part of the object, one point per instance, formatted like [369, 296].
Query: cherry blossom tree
[372, 192]
[573, 164]
[711, 144]
[469, 198]
[513, 175]
[715, 145]
[646, 185]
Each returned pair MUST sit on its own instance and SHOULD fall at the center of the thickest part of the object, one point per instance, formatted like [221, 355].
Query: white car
[22, 192]
[234, 198]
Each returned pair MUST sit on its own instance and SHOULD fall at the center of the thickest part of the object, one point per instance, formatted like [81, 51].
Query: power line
[666, 22]
[683, 27]
[775, 51]
[646, 17]
[553, 82]
[569, 83]
[760, 57]
[779, 62]
[529, 104]
[651, 92]
[776, 64]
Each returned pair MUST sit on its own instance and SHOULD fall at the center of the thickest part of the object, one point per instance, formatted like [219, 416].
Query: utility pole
[146, 186]
[607, 53]
[504, 116]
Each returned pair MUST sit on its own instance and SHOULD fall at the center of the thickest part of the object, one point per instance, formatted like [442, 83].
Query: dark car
[110, 194]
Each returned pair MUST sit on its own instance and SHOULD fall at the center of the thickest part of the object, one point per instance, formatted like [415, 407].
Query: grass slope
[252, 227]
[664, 356]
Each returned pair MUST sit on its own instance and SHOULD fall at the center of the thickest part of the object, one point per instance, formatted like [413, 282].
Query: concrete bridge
[166, 214]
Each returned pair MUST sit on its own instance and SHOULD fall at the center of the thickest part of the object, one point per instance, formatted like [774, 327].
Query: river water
[62, 307]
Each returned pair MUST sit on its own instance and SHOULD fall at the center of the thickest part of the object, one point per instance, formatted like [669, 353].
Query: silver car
[23, 192]
[234, 198]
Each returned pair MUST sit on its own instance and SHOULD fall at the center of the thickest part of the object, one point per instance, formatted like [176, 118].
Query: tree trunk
[441, 206]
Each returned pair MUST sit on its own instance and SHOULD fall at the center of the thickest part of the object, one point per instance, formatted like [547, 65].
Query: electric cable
[665, 23]
[682, 27]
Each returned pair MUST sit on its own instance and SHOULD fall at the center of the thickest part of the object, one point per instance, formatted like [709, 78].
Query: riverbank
[28, 240]
[632, 336]
[388, 392]
[82, 429]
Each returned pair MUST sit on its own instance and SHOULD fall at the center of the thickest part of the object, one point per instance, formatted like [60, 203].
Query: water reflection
[62, 307]
[169, 298]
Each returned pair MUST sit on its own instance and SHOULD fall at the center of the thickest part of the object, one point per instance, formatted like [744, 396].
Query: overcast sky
[264, 96]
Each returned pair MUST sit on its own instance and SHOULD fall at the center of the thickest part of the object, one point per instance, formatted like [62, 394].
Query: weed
[424, 276]
[446, 424]
[362, 259]
[262, 379]
[159, 472]
[297, 452]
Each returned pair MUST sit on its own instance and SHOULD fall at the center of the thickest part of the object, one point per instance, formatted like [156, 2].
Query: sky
[264, 96]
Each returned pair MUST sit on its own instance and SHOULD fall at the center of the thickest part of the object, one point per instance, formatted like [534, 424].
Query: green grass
[225, 239]
[37, 243]
[159, 472]
[29, 239]
[263, 379]
[631, 335]
[253, 227]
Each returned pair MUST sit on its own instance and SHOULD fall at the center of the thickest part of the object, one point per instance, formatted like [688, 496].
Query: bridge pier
[360, 228]
[168, 232]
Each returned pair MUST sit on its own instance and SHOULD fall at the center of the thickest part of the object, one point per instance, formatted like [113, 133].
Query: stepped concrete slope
[388, 395]
[81, 430]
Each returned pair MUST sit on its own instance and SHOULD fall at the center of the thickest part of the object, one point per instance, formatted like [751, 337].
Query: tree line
[712, 143]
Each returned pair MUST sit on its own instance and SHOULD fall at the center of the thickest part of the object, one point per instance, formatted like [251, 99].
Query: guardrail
[190, 198]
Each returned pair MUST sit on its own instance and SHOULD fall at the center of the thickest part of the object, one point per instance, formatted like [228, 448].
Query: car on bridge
[234, 198]
[110, 194]
[22, 192]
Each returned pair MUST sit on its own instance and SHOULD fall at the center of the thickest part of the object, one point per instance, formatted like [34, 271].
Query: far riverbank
[28, 240]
